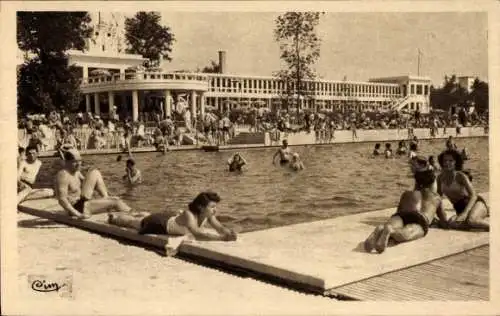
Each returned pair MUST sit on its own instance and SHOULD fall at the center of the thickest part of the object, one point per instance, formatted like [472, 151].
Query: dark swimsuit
[414, 217]
[461, 204]
[79, 205]
[155, 223]
[284, 162]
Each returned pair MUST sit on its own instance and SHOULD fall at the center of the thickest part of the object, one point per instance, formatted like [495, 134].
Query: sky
[359, 45]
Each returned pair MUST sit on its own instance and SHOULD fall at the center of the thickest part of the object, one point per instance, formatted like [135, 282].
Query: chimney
[222, 61]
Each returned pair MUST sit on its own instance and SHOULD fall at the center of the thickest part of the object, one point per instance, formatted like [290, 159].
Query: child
[202, 209]
[296, 164]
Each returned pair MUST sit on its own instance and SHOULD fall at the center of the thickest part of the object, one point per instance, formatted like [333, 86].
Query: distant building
[113, 85]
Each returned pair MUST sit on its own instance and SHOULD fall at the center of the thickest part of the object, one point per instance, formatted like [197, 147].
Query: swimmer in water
[296, 164]
[284, 153]
[465, 154]
[413, 151]
[376, 150]
[433, 164]
[191, 220]
[133, 175]
[388, 150]
[450, 144]
[471, 208]
[236, 162]
[401, 148]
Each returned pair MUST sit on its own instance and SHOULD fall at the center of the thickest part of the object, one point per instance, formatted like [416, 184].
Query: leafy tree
[147, 37]
[300, 49]
[213, 68]
[46, 82]
[480, 95]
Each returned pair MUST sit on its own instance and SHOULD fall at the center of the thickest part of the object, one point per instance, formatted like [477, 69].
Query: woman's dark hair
[413, 146]
[377, 145]
[459, 161]
[424, 179]
[31, 147]
[387, 145]
[401, 143]
[130, 162]
[202, 201]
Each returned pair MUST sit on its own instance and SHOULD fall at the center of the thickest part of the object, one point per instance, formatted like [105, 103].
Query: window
[426, 90]
[419, 89]
[412, 90]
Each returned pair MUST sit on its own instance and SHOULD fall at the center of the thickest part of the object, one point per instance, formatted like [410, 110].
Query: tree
[480, 95]
[147, 37]
[300, 49]
[213, 68]
[46, 82]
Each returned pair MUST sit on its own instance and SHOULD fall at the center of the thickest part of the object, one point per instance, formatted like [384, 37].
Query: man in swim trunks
[27, 171]
[74, 191]
[415, 213]
[284, 153]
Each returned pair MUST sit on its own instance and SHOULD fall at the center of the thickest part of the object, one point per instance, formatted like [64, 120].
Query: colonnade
[196, 101]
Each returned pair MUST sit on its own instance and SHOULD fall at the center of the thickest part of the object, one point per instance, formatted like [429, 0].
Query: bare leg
[408, 233]
[125, 220]
[477, 217]
[374, 236]
[93, 181]
[37, 194]
[395, 222]
[21, 195]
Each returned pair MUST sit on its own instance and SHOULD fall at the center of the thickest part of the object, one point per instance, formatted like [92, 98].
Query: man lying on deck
[200, 210]
[27, 171]
[415, 213]
[74, 191]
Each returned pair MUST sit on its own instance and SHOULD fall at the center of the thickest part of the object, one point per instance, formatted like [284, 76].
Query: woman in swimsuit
[471, 208]
[200, 210]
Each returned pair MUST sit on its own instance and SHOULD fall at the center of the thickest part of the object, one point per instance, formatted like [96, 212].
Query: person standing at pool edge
[284, 153]
[202, 209]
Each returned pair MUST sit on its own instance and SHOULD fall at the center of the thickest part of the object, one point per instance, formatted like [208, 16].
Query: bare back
[425, 202]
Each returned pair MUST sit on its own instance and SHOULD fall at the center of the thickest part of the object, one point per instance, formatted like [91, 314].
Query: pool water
[339, 179]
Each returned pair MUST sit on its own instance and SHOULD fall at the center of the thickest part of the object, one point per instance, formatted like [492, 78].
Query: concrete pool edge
[94, 152]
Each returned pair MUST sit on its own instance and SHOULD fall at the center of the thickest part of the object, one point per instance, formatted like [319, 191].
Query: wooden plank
[436, 280]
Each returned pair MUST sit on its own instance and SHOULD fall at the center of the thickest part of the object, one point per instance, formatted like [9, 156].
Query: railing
[148, 76]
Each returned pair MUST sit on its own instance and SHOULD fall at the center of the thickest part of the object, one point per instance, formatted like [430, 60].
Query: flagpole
[418, 69]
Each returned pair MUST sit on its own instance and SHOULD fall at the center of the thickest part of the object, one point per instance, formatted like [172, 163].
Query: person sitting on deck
[236, 162]
[74, 191]
[133, 175]
[27, 171]
[414, 215]
[296, 163]
[471, 209]
[284, 153]
[202, 209]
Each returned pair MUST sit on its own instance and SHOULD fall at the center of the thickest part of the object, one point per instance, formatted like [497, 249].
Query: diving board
[321, 255]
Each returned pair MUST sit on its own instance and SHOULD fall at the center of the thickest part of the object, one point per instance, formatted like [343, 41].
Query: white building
[132, 90]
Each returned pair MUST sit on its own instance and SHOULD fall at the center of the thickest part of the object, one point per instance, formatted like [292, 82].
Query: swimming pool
[339, 179]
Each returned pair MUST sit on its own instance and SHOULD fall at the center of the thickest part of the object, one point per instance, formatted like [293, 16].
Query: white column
[97, 105]
[85, 72]
[216, 102]
[135, 105]
[111, 102]
[88, 107]
[167, 105]
[193, 105]
[202, 104]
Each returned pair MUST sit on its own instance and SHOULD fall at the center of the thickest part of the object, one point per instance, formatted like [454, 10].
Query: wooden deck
[460, 277]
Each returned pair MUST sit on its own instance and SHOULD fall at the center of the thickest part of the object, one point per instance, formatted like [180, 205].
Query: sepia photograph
[257, 160]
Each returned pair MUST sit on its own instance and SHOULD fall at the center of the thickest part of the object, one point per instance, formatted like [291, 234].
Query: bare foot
[383, 240]
[370, 241]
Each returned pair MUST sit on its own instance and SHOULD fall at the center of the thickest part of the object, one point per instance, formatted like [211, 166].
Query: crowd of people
[89, 131]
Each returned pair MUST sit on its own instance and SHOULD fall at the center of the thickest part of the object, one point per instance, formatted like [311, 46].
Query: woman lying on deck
[415, 213]
[455, 184]
[201, 209]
